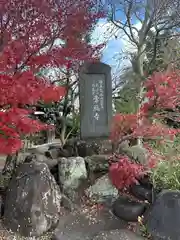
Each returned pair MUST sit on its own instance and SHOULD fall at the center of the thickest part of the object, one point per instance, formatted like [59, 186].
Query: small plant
[166, 174]
[143, 228]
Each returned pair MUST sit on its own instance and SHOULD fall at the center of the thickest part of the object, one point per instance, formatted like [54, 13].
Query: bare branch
[129, 24]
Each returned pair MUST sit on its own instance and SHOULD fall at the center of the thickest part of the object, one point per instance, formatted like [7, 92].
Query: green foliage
[126, 102]
[73, 126]
[50, 110]
[143, 228]
[168, 148]
[167, 175]
[126, 106]
[161, 51]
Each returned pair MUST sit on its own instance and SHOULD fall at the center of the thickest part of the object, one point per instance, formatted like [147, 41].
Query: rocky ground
[86, 223]
[91, 221]
[71, 197]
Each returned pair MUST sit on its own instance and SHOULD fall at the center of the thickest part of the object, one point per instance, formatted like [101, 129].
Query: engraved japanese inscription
[95, 101]
[98, 89]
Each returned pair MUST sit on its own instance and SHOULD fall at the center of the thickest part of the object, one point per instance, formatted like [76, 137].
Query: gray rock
[163, 219]
[117, 235]
[87, 148]
[1, 206]
[102, 190]
[35, 157]
[106, 147]
[72, 171]
[41, 159]
[4, 181]
[137, 153]
[41, 149]
[33, 200]
[123, 146]
[128, 209]
[54, 153]
[97, 163]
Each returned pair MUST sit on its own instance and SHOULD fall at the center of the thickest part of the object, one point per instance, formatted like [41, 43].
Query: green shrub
[166, 175]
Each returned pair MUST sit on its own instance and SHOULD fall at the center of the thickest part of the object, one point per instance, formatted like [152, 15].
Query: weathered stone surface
[58, 151]
[102, 190]
[85, 149]
[70, 236]
[137, 153]
[117, 235]
[99, 75]
[41, 159]
[33, 200]
[40, 149]
[163, 218]
[106, 147]
[53, 153]
[86, 223]
[35, 157]
[97, 163]
[141, 192]
[1, 206]
[123, 146]
[4, 181]
[128, 209]
[72, 171]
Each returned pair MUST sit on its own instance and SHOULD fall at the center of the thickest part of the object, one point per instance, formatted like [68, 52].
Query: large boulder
[102, 191]
[33, 200]
[72, 171]
[141, 192]
[128, 209]
[97, 163]
[163, 218]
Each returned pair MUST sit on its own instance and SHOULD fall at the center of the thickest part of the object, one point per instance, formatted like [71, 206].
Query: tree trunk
[141, 93]
[138, 67]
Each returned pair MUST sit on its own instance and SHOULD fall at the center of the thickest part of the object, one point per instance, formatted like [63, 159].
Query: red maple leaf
[38, 34]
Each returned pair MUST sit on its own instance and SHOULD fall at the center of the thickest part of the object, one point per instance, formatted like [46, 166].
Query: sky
[104, 33]
[115, 48]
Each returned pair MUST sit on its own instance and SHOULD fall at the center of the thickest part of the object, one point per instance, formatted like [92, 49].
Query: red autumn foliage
[14, 124]
[162, 93]
[124, 173]
[126, 127]
[123, 125]
[53, 93]
[34, 35]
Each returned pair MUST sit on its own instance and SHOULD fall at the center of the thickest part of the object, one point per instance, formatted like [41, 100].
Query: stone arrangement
[58, 190]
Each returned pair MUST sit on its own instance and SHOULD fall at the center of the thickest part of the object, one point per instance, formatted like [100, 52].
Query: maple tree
[34, 35]
[161, 93]
[124, 172]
